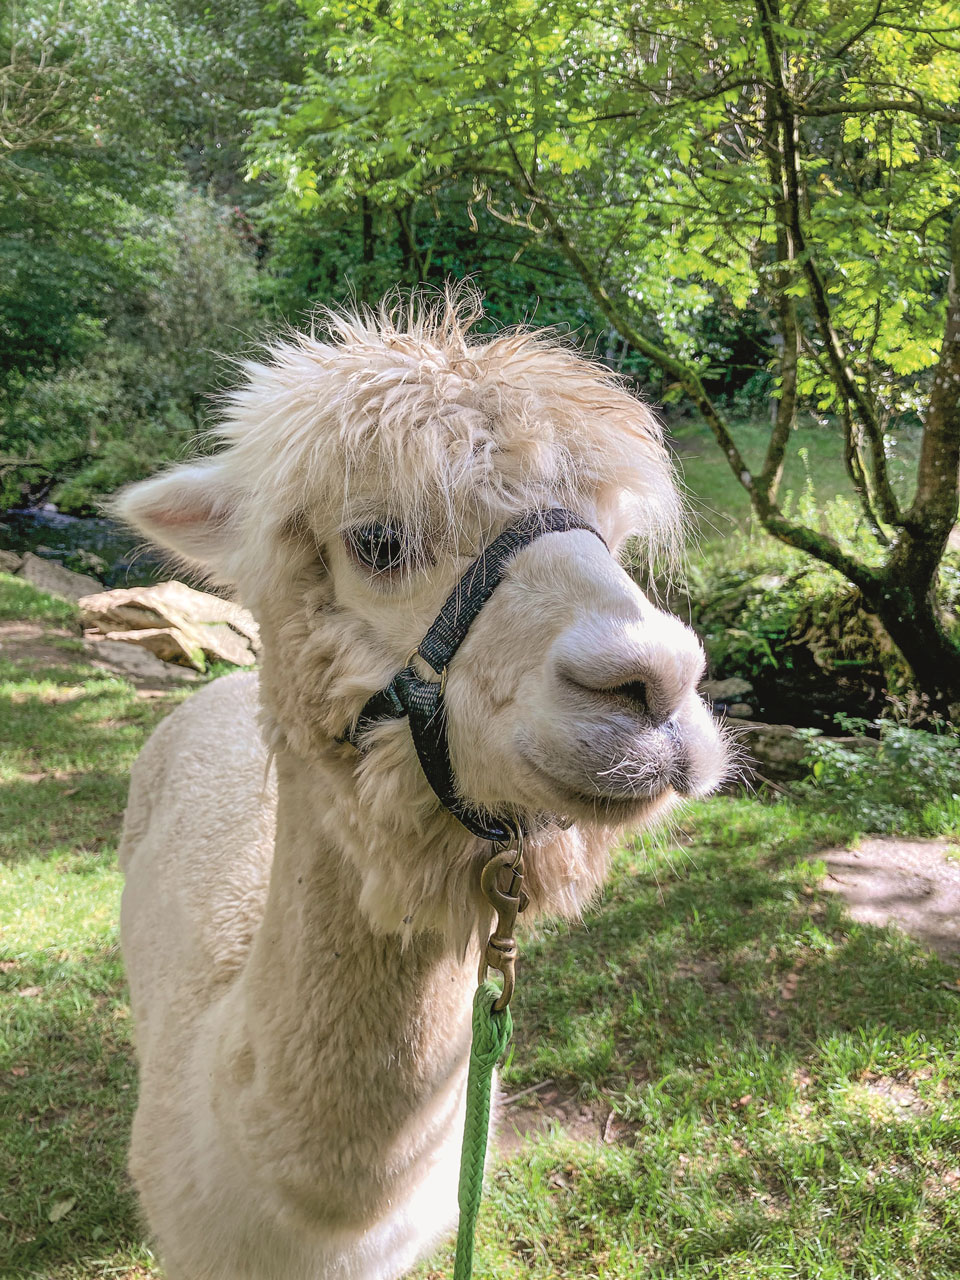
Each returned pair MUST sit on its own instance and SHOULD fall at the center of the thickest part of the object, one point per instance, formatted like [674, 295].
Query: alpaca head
[360, 476]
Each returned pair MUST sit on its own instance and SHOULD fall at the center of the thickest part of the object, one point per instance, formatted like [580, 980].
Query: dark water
[121, 558]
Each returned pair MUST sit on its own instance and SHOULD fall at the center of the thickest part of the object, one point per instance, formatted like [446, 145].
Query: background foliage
[744, 206]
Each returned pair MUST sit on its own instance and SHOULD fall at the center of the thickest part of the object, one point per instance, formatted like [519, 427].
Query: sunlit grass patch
[813, 461]
[780, 1085]
[68, 736]
[20, 601]
[65, 1065]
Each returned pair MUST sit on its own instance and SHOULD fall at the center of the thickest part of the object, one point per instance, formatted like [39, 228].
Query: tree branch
[914, 107]
[843, 375]
[786, 308]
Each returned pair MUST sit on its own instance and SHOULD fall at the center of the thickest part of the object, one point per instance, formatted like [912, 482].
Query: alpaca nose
[647, 667]
[633, 692]
[654, 695]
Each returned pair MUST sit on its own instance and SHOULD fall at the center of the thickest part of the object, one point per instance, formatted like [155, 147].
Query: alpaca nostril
[646, 668]
[641, 696]
[634, 692]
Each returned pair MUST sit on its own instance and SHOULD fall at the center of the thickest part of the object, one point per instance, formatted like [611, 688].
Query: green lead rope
[491, 1033]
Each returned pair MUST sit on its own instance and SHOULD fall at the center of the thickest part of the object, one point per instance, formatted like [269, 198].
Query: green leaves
[649, 137]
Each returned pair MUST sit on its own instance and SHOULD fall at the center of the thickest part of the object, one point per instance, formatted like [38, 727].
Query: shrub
[798, 630]
[908, 783]
[141, 393]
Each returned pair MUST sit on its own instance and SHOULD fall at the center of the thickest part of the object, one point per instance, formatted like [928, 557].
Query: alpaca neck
[349, 1052]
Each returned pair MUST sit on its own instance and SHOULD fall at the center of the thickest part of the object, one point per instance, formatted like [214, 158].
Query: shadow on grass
[783, 1083]
[733, 945]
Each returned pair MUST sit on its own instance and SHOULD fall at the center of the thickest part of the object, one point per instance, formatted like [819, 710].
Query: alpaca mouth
[614, 794]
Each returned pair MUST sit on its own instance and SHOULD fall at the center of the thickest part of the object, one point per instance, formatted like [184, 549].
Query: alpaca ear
[190, 511]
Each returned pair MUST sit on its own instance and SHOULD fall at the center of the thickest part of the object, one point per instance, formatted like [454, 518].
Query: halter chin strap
[408, 694]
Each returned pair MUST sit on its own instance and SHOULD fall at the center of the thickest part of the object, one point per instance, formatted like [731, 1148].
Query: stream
[88, 544]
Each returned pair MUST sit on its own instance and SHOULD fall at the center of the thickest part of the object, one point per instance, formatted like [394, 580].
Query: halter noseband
[421, 701]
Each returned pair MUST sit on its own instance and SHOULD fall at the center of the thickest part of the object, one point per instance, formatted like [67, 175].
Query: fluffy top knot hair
[409, 410]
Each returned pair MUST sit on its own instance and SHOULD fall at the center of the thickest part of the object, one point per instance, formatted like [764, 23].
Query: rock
[220, 641]
[202, 623]
[96, 564]
[170, 644]
[777, 751]
[135, 663]
[53, 578]
[10, 561]
[201, 606]
[732, 690]
[739, 710]
[774, 751]
[120, 610]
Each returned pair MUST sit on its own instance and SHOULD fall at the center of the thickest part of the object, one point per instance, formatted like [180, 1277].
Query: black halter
[408, 694]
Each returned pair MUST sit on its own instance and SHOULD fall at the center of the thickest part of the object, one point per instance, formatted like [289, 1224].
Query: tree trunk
[413, 265]
[912, 620]
[901, 592]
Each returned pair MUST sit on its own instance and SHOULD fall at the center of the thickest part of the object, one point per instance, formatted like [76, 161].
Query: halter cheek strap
[421, 701]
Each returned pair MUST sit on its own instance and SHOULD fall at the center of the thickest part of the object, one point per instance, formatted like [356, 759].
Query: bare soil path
[914, 884]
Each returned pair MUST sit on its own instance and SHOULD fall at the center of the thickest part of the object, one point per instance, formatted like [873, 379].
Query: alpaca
[301, 920]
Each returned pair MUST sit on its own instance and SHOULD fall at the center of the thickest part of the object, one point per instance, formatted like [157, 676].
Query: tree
[119, 289]
[798, 158]
[142, 393]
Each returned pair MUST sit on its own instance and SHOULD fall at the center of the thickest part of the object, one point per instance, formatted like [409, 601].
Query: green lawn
[814, 457]
[781, 1084]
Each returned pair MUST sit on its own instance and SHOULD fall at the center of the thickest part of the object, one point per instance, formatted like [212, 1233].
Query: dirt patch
[39, 647]
[895, 1094]
[909, 883]
[30, 643]
[538, 1111]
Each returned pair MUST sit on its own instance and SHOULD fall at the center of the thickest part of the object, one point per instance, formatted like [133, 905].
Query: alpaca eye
[383, 547]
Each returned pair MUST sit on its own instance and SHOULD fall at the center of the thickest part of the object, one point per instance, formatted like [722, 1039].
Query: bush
[908, 784]
[140, 395]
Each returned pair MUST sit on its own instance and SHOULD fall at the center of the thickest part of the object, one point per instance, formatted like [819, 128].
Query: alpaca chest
[338, 1118]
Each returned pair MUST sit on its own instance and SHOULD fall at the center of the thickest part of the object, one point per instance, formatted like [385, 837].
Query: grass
[779, 1085]
[814, 457]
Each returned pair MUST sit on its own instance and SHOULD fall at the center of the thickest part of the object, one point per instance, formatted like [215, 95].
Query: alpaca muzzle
[421, 701]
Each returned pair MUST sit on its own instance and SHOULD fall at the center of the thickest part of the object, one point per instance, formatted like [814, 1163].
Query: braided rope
[491, 1032]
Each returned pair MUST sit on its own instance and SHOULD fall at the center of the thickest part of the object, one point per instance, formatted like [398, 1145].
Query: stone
[773, 751]
[137, 664]
[89, 560]
[220, 642]
[170, 644]
[10, 561]
[120, 611]
[777, 751]
[739, 710]
[732, 690]
[202, 606]
[52, 577]
[221, 630]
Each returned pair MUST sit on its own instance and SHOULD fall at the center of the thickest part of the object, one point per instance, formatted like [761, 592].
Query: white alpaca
[300, 919]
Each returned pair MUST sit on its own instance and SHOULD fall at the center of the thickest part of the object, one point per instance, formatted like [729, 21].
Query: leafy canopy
[643, 133]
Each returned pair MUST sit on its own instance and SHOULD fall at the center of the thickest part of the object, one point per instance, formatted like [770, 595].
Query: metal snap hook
[500, 951]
